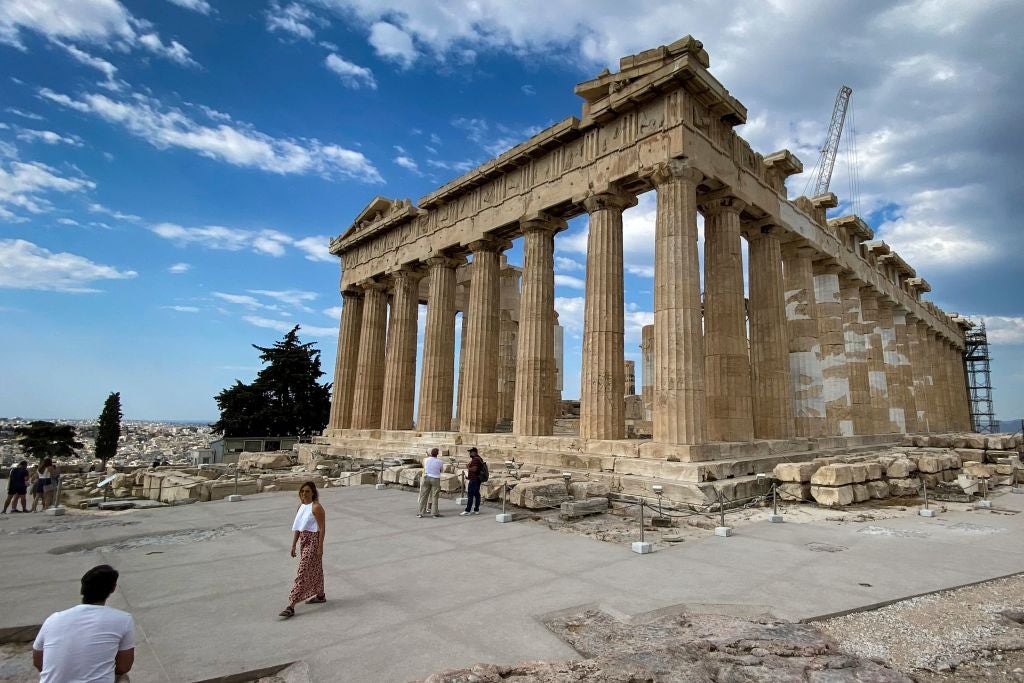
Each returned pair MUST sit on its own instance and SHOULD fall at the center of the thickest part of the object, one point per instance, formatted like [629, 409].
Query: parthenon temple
[833, 345]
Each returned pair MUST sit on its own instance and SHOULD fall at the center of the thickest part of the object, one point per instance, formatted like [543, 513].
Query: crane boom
[828, 151]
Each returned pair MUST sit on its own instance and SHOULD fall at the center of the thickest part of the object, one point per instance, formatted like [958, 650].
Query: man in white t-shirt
[89, 643]
[430, 484]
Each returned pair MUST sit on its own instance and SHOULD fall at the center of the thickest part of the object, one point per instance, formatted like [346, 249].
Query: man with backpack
[476, 473]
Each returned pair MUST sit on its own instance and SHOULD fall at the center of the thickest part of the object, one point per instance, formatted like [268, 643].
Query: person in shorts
[17, 487]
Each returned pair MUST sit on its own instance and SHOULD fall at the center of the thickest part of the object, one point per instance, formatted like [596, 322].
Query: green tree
[285, 399]
[108, 431]
[41, 439]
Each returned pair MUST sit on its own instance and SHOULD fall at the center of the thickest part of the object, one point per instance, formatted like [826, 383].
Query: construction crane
[827, 160]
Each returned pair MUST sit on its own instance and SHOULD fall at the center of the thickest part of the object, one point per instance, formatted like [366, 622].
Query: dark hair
[23, 463]
[47, 461]
[433, 452]
[472, 449]
[312, 486]
[98, 583]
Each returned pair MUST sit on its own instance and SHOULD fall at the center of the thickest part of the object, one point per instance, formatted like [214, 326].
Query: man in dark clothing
[17, 487]
[473, 475]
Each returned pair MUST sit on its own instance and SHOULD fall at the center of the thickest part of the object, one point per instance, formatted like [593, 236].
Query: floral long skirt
[310, 580]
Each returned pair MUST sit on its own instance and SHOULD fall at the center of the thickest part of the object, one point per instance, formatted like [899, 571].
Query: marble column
[727, 389]
[928, 376]
[400, 358]
[679, 406]
[769, 346]
[877, 385]
[965, 394]
[946, 349]
[629, 371]
[805, 376]
[369, 392]
[904, 360]
[647, 370]
[535, 355]
[507, 342]
[835, 371]
[938, 383]
[463, 319]
[856, 355]
[478, 412]
[437, 377]
[347, 359]
[890, 364]
[602, 410]
[917, 372]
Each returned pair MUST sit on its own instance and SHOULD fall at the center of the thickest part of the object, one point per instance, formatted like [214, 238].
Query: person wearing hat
[476, 465]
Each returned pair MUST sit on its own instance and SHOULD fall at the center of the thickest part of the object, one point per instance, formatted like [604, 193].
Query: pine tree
[285, 399]
[41, 439]
[109, 429]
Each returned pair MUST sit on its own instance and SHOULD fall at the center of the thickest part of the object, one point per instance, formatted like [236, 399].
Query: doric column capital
[885, 302]
[672, 170]
[373, 285]
[798, 250]
[720, 202]
[868, 292]
[766, 227]
[540, 221]
[489, 244]
[444, 261]
[604, 201]
[410, 271]
[351, 294]
[827, 266]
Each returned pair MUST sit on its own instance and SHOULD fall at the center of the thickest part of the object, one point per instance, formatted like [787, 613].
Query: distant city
[141, 440]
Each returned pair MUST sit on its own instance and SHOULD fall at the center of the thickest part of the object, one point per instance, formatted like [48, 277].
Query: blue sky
[171, 170]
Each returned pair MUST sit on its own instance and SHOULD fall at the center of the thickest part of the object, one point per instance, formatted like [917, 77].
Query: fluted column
[602, 411]
[647, 366]
[400, 359]
[769, 346]
[347, 358]
[856, 355]
[438, 374]
[965, 395]
[938, 382]
[946, 349]
[890, 364]
[478, 411]
[726, 356]
[903, 360]
[507, 342]
[463, 330]
[535, 354]
[802, 326]
[835, 371]
[918, 373]
[679, 406]
[928, 376]
[369, 392]
[877, 385]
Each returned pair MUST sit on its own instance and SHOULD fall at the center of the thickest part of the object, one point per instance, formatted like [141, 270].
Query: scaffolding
[979, 380]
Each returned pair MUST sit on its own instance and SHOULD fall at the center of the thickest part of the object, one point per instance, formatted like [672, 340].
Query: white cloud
[269, 242]
[23, 184]
[24, 265]
[528, 90]
[23, 114]
[570, 312]
[316, 248]
[242, 300]
[407, 163]
[286, 326]
[392, 43]
[1001, 329]
[352, 75]
[96, 207]
[105, 23]
[569, 281]
[293, 18]
[333, 312]
[563, 263]
[183, 309]
[49, 137]
[292, 297]
[201, 6]
[637, 237]
[179, 268]
[68, 221]
[238, 145]
[98, 63]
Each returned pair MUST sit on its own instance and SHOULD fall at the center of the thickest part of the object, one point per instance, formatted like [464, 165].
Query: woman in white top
[310, 526]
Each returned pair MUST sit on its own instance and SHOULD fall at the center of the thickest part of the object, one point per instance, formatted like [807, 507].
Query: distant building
[226, 449]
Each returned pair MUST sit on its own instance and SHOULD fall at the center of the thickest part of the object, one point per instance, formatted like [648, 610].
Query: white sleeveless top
[304, 519]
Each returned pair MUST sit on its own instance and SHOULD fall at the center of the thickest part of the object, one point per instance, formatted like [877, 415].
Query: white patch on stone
[806, 382]
[846, 427]
[837, 389]
[897, 417]
[899, 317]
[876, 380]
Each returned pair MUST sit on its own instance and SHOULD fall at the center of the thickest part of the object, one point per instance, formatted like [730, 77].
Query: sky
[171, 171]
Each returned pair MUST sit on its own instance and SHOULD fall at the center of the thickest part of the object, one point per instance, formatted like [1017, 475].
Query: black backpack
[483, 473]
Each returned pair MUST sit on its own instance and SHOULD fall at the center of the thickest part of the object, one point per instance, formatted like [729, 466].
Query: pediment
[375, 210]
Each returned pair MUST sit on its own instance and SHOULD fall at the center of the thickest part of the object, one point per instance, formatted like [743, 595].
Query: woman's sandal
[287, 612]
[317, 600]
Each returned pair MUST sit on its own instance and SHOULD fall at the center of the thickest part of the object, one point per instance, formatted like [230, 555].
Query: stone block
[491, 489]
[450, 482]
[874, 470]
[580, 508]
[832, 496]
[930, 464]
[901, 468]
[932, 479]
[539, 495]
[1004, 468]
[410, 476]
[798, 472]
[858, 473]
[995, 456]
[792, 492]
[833, 475]
[904, 487]
[861, 493]
[884, 460]
[977, 469]
[878, 489]
[996, 442]
[974, 441]
[582, 490]
[920, 441]
[940, 441]
[959, 441]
